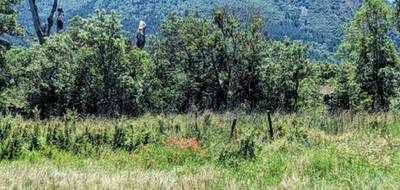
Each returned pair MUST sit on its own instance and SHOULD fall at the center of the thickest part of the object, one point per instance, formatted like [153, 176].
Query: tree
[8, 25]
[397, 13]
[90, 68]
[345, 90]
[211, 64]
[42, 31]
[369, 46]
[287, 65]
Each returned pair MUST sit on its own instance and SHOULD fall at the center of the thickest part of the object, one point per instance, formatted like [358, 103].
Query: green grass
[310, 151]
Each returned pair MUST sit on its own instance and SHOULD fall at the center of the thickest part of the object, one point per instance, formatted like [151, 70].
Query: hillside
[319, 22]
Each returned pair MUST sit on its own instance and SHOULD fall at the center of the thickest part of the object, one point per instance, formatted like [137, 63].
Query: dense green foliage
[8, 18]
[195, 64]
[310, 151]
[91, 68]
[9, 25]
[210, 70]
[370, 47]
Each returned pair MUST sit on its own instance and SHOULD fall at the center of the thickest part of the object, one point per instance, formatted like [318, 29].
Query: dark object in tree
[60, 19]
[141, 36]
[141, 40]
[42, 32]
[233, 129]
[271, 129]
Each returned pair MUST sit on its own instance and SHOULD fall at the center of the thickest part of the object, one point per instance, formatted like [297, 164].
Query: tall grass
[309, 151]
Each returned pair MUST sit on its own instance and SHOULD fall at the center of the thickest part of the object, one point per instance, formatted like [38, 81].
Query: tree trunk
[270, 127]
[42, 32]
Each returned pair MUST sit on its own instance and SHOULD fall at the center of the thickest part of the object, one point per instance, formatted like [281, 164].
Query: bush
[232, 154]
[90, 68]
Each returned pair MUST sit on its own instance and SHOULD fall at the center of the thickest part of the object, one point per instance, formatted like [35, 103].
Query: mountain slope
[319, 22]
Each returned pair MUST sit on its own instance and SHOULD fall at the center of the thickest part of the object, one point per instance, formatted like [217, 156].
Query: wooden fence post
[196, 126]
[233, 129]
[271, 129]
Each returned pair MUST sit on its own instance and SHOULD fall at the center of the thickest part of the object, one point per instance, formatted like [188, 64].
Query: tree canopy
[8, 24]
[220, 63]
[370, 47]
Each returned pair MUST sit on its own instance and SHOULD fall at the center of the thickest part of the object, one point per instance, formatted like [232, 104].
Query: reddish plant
[192, 143]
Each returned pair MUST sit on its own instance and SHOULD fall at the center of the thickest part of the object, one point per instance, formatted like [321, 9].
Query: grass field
[309, 151]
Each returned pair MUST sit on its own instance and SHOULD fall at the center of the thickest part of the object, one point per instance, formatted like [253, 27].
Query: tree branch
[50, 19]
[36, 21]
[42, 32]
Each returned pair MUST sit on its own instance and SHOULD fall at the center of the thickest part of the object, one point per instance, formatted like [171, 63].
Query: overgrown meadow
[209, 103]
[207, 151]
